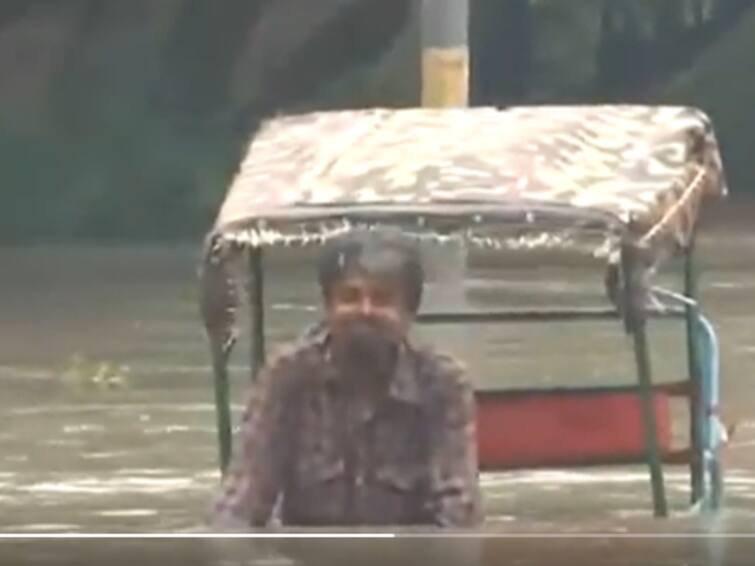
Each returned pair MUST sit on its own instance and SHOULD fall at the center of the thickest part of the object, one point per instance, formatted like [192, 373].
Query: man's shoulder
[440, 371]
[439, 362]
[447, 391]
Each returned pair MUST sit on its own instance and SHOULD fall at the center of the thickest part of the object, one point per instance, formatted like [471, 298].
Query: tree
[668, 32]
[255, 57]
[322, 41]
[202, 48]
[697, 7]
[12, 10]
[501, 41]
[620, 58]
[725, 11]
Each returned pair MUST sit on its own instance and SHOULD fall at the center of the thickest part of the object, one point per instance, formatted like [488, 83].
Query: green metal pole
[695, 434]
[637, 325]
[257, 304]
[222, 405]
[648, 413]
[217, 306]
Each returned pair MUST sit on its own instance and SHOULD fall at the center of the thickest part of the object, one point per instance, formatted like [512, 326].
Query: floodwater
[136, 451]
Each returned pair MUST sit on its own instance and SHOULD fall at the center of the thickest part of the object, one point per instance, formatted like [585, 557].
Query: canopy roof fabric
[641, 169]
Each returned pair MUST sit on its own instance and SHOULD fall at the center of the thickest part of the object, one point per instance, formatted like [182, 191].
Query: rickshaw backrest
[566, 427]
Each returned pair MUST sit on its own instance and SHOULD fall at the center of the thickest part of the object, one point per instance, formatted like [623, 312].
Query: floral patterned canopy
[641, 171]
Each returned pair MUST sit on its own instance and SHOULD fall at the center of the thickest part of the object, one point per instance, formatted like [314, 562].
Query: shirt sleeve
[256, 475]
[454, 494]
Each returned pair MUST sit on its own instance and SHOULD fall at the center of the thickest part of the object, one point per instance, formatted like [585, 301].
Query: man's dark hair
[383, 254]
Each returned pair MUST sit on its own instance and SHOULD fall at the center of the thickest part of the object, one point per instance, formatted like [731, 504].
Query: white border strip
[487, 535]
[53, 536]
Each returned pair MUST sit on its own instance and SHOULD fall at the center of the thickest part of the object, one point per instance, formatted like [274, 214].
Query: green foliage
[143, 137]
[722, 82]
[502, 41]
[392, 80]
[113, 163]
[566, 40]
[83, 374]
[201, 51]
[139, 179]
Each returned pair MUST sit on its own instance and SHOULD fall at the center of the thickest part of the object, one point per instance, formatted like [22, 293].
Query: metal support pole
[693, 364]
[445, 83]
[217, 299]
[538, 315]
[445, 53]
[222, 404]
[257, 307]
[637, 323]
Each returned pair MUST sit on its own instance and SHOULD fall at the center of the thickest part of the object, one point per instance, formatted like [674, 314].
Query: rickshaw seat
[566, 427]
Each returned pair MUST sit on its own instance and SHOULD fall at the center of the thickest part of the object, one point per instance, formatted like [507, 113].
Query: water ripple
[120, 485]
[41, 527]
[121, 407]
[127, 513]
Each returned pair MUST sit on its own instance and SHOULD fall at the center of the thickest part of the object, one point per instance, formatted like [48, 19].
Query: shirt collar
[403, 387]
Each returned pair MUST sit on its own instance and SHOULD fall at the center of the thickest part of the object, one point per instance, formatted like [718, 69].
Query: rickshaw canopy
[637, 172]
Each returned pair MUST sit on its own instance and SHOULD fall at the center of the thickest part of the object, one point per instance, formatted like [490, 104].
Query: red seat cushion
[553, 428]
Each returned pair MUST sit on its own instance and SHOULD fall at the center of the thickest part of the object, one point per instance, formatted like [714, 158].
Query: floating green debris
[93, 374]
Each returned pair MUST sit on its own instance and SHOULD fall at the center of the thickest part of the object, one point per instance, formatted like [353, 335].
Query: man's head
[372, 287]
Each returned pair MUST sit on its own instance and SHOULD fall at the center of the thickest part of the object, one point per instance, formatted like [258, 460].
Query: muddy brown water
[141, 456]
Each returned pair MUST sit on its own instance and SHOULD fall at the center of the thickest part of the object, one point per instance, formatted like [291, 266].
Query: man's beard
[366, 348]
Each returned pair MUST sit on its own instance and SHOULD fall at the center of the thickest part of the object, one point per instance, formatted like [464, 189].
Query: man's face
[368, 319]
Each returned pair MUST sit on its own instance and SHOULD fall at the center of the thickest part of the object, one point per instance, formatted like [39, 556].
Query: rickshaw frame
[701, 387]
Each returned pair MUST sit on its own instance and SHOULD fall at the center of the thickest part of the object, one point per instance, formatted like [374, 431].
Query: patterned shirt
[307, 446]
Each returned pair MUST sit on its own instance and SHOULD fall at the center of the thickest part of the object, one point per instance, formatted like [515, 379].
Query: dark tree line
[145, 130]
[145, 120]
[501, 42]
[628, 58]
[284, 50]
[628, 61]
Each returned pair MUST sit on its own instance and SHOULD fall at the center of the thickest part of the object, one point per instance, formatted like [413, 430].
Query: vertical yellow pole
[445, 53]
[445, 83]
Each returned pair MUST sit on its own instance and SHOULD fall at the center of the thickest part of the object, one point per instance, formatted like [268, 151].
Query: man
[355, 426]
